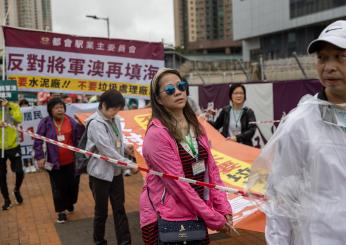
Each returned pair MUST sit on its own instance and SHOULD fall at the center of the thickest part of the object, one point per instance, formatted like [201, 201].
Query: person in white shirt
[303, 166]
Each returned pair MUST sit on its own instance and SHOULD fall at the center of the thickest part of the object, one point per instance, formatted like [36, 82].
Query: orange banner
[234, 161]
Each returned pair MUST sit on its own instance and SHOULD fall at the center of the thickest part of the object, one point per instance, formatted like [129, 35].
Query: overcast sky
[148, 20]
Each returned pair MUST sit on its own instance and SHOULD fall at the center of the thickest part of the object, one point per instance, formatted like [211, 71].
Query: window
[305, 7]
[291, 37]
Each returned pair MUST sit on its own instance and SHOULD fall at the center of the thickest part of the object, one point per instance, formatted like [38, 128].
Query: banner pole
[3, 63]
[3, 133]
[2, 106]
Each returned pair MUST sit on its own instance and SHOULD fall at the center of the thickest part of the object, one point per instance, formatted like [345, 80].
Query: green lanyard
[115, 128]
[188, 140]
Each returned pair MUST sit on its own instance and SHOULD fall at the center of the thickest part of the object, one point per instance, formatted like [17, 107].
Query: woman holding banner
[176, 143]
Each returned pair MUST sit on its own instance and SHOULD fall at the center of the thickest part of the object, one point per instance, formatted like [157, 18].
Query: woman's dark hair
[161, 113]
[53, 102]
[23, 102]
[233, 87]
[112, 99]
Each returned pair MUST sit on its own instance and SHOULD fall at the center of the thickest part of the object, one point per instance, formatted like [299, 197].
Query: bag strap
[87, 126]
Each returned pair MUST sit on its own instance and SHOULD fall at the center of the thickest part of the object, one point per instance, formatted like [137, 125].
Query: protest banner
[53, 62]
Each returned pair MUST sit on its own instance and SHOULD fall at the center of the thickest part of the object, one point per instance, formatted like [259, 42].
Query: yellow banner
[73, 85]
[233, 171]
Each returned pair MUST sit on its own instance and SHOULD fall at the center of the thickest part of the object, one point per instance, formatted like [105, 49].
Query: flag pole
[3, 132]
[2, 106]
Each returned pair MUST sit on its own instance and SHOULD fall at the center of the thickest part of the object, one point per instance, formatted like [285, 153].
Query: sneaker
[18, 196]
[26, 170]
[61, 218]
[32, 169]
[6, 205]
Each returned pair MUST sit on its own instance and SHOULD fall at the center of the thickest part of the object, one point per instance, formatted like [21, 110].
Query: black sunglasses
[170, 88]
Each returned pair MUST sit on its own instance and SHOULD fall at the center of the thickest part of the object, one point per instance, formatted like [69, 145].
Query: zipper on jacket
[163, 196]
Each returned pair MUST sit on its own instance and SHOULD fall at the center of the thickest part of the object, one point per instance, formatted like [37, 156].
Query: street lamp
[101, 18]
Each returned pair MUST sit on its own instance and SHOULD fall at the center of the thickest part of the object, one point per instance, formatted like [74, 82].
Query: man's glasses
[170, 88]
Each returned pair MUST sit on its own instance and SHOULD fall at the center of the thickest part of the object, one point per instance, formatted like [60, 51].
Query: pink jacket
[172, 199]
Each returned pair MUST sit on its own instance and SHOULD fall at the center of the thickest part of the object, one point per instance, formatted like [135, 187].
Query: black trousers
[102, 191]
[15, 157]
[63, 184]
[75, 189]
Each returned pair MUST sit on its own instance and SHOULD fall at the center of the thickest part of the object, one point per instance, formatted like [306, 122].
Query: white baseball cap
[334, 34]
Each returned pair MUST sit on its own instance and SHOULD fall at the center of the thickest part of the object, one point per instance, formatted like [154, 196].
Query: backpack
[81, 160]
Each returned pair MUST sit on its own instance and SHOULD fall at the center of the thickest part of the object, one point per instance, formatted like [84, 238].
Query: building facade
[32, 14]
[277, 28]
[205, 26]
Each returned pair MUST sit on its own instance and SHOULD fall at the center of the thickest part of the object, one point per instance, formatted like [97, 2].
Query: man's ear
[103, 106]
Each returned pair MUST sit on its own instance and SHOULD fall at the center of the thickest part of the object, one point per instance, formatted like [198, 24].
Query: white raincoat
[302, 170]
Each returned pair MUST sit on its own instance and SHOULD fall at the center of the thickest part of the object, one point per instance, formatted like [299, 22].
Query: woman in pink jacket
[175, 143]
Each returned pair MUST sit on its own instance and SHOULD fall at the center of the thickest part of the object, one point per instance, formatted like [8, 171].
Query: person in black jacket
[234, 119]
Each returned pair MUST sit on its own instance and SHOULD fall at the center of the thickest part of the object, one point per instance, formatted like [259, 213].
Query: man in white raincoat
[303, 166]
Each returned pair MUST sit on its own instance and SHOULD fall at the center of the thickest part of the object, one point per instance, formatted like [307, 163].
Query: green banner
[9, 90]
